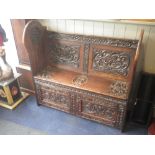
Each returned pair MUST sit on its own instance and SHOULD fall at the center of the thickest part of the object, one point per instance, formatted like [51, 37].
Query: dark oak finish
[88, 76]
[25, 80]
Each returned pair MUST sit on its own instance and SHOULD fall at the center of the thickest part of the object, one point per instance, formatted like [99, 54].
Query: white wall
[111, 29]
[10, 48]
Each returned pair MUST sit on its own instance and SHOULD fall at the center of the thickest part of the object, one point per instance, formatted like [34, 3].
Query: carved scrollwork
[80, 80]
[99, 98]
[95, 40]
[119, 88]
[55, 96]
[110, 110]
[54, 35]
[110, 61]
[108, 113]
[65, 54]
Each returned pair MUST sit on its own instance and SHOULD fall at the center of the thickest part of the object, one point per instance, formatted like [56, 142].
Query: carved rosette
[80, 80]
[119, 88]
[110, 61]
[65, 54]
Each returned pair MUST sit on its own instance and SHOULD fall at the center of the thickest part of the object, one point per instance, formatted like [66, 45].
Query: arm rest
[33, 40]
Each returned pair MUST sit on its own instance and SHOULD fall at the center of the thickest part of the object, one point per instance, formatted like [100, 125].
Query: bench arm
[33, 40]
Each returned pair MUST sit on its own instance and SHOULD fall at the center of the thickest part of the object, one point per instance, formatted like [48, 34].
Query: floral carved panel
[111, 61]
[119, 88]
[65, 54]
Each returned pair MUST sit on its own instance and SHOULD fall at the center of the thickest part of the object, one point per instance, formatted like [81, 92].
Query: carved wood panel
[119, 88]
[104, 60]
[111, 61]
[101, 110]
[64, 54]
[56, 98]
[115, 42]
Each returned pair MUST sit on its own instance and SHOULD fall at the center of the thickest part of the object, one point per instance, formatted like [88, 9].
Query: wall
[111, 29]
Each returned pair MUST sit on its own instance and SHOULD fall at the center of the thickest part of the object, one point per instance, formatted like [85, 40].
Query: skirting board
[11, 107]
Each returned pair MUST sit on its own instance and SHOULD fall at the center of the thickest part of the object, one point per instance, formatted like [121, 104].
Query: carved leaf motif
[108, 113]
[64, 54]
[95, 40]
[54, 96]
[109, 61]
[94, 104]
[119, 88]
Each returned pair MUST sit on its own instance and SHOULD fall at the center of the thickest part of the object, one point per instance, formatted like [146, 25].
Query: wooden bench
[88, 76]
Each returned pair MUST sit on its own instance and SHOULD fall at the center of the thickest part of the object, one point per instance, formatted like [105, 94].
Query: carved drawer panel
[82, 103]
[54, 97]
[108, 112]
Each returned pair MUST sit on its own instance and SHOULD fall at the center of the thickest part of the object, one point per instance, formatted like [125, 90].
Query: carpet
[10, 128]
[54, 122]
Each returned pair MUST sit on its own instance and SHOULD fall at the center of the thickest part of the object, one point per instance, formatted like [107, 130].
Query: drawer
[102, 109]
[108, 112]
[55, 97]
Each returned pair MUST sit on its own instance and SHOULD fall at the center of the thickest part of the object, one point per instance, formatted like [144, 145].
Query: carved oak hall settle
[87, 76]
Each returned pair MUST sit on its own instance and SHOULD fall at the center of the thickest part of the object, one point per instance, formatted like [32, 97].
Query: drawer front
[87, 105]
[55, 97]
[108, 112]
